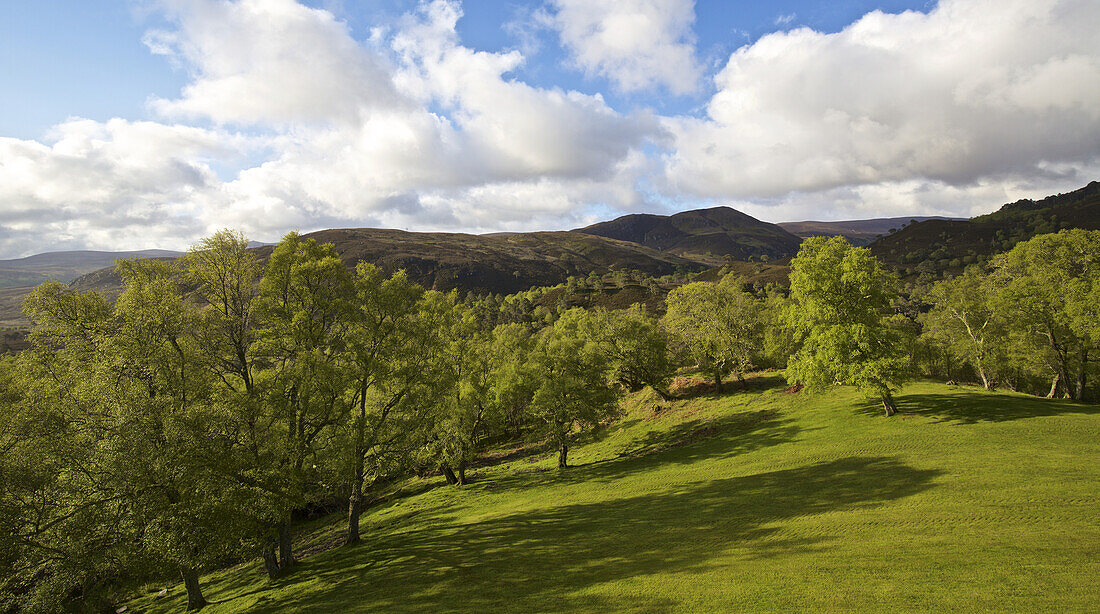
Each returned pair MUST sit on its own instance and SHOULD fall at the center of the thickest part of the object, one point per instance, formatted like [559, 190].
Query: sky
[151, 123]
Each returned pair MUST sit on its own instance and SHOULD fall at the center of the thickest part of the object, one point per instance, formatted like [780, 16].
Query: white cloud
[636, 44]
[273, 61]
[974, 91]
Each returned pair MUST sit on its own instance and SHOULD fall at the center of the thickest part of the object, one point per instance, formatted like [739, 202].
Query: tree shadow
[974, 407]
[685, 443]
[544, 560]
[704, 388]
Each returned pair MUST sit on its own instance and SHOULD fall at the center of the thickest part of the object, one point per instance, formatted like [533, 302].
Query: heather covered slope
[705, 235]
[939, 245]
[760, 500]
[858, 232]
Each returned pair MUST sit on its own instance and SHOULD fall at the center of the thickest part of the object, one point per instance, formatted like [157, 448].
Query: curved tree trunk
[355, 502]
[195, 600]
[1054, 386]
[563, 452]
[888, 404]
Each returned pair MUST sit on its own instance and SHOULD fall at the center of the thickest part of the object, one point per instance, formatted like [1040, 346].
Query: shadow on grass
[545, 560]
[704, 388]
[972, 407]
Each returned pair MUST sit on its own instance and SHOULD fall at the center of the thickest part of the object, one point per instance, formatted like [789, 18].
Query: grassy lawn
[757, 500]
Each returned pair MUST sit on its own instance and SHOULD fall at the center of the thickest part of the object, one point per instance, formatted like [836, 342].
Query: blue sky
[150, 123]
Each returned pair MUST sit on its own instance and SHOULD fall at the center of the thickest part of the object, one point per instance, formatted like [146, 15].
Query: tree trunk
[286, 546]
[741, 380]
[562, 453]
[718, 381]
[889, 405]
[1054, 386]
[985, 378]
[355, 501]
[195, 600]
[271, 560]
[462, 473]
[1082, 374]
[449, 474]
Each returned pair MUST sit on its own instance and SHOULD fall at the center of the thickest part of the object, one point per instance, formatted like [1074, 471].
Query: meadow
[757, 499]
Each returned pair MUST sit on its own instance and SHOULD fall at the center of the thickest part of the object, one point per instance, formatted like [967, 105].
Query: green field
[758, 500]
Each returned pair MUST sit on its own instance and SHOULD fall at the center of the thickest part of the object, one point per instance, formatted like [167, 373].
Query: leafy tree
[718, 325]
[392, 353]
[963, 319]
[573, 388]
[839, 313]
[304, 306]
[1047, 288]
[636, 347]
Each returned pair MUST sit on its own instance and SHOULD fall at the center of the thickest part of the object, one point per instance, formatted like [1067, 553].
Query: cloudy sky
[150, 123]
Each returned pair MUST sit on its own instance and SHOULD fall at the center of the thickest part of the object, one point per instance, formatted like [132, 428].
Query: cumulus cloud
[636, 44]
[273, 61]
[973, 91]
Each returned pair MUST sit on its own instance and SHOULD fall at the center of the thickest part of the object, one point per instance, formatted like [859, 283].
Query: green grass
[758, 500]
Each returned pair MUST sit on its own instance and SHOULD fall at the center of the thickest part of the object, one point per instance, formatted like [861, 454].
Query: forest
[191, 422]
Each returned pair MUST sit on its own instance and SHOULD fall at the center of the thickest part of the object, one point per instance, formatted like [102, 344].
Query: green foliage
[573, 390]
[717, 325]
[964, 319]
[636, 347]
[840, 313]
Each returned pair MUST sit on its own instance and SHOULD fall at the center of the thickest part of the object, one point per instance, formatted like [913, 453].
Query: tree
[1047, 288]
[840, 314]
[718, 325]
[304, 305]
[573, 388]
[963, 319]
[636, 347]
[392, 352]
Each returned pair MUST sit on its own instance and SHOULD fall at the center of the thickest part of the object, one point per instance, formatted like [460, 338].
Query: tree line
[188, 424]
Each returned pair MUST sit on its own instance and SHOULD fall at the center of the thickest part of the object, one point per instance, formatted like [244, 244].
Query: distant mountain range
[66, 266]
[858, 232]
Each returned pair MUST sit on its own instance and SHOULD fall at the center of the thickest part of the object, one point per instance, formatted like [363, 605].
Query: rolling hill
[65, 266]
[703, 235]
[502, 263]
[758, 500]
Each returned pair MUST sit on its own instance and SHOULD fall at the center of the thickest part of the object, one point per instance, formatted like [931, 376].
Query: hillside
[938, 245]
[703, 235]
[65, 266]
[858, 232]
[480, 263]
[760, 500]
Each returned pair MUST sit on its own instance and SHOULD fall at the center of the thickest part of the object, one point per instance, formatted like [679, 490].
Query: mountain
[703, 235]
[65, 266]
[858, 232]
[934, 246]
[481, 263]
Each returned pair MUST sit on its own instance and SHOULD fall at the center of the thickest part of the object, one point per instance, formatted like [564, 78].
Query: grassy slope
[761, 500]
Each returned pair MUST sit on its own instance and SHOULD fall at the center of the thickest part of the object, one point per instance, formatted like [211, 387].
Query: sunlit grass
[762, 500]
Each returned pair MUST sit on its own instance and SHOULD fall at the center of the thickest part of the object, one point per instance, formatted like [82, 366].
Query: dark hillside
[939, 245]
[706, 235]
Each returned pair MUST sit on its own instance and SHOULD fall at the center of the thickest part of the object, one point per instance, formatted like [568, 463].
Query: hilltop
[65, 266]
[757, 500]
[710, 236]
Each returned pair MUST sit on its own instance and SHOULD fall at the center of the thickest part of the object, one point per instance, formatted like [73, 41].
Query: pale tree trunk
[1054, 386]
[888, 404]
[195, 600]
